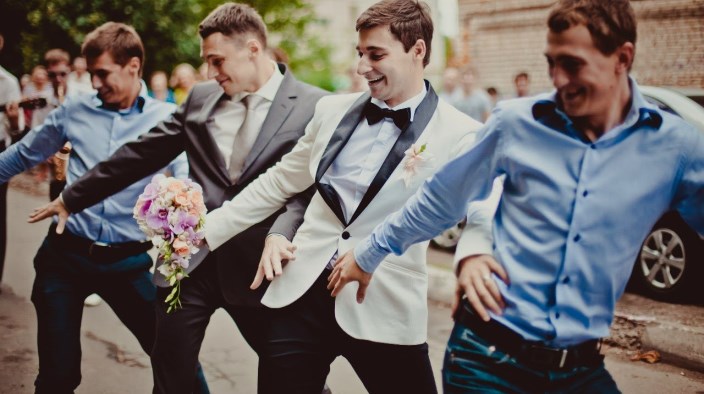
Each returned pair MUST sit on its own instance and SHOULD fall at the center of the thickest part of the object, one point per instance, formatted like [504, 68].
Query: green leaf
[172, 294]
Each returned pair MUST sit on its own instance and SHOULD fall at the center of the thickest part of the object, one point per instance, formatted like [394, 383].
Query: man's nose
[363, 66]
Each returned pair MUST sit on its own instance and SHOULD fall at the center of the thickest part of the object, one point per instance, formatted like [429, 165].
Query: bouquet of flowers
[171, 212]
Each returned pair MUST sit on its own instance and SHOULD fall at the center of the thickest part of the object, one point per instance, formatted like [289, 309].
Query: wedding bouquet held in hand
[171, 212]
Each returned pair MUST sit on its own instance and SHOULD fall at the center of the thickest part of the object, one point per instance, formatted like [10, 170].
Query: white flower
[157, 241]
[416, 158]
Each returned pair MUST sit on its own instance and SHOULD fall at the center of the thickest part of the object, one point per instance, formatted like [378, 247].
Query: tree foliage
[169, 30]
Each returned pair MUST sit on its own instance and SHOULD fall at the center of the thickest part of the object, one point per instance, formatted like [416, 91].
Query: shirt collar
[269, 89]
[411, 103]
[138, 103]
[546, 110]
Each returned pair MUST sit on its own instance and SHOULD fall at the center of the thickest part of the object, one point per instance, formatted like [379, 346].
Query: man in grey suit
[233, 129]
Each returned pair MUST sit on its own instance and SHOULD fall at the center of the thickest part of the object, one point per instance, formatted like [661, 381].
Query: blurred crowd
[461, 87]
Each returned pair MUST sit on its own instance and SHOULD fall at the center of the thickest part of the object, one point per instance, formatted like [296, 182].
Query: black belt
[532, 353]
[97, 250]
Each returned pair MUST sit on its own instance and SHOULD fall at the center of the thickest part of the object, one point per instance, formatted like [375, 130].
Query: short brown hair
[120, 40]
[408, 20]
[56, 56]
[233, 19]
[611, 23]
[521, 75]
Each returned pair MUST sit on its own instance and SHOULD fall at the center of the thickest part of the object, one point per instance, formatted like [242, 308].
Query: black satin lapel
[329, 195]
[342, 134]
[422, 117]
[339, 138]
[206, 140]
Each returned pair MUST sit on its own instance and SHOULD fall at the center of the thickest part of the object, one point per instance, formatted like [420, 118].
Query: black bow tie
[374, 114]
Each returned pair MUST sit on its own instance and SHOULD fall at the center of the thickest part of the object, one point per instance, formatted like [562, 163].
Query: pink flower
[181, 248]
[416, 158]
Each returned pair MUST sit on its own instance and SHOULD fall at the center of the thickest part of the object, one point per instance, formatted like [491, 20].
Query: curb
[678, 345]
[681, 346]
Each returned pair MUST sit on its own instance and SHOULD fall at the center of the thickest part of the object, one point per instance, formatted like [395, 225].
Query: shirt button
[577, 238]
[566, 280]
[345, 235]
[557, 315]
[592, 146]
[585, 193]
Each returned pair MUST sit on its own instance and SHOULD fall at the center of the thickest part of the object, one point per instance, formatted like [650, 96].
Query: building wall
[503, 37]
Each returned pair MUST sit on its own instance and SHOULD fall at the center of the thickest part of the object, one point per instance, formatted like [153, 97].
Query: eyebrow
[371, 48]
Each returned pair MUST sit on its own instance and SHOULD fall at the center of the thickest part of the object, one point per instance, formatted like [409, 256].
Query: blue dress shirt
[573, 213]
[95, 133]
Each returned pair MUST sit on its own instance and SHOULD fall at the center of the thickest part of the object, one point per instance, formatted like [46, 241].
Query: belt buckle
[92, 246]
[561, 353]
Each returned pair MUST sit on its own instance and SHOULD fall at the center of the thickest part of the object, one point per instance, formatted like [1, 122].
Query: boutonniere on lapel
[416, 159]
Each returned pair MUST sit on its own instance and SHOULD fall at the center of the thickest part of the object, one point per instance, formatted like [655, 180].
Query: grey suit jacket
[188, 129]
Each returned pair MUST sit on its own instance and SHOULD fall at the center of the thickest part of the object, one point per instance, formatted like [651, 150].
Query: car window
[698, 99]
[661, 105]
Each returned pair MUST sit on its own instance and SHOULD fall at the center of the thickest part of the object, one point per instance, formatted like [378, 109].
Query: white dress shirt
[354, 169]
[229, 114]
[9, 91]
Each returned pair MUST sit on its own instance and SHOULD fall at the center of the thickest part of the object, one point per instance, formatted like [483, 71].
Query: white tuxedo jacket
[395, 308]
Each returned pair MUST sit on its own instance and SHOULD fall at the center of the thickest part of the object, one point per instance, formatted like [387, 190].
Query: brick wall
[503, 37]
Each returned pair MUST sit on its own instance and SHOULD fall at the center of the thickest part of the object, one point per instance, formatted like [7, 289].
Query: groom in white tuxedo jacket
[366, 154]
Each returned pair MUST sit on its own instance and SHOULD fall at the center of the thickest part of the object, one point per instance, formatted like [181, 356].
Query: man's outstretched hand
[277, 251]
[347, 270]
[55, 207]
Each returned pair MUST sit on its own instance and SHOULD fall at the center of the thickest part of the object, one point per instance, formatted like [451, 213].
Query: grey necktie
[245, 137]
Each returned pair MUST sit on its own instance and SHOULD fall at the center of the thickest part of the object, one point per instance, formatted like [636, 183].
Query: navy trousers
[474, 365]
[63, 280]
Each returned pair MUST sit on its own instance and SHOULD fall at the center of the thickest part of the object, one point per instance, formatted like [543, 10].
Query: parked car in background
[670, 265]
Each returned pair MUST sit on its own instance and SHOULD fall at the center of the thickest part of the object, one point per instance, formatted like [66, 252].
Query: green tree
[169, 29]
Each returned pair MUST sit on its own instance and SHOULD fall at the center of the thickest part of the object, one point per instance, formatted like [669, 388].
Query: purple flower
[157, 218]
[145, 207]
[181, 220]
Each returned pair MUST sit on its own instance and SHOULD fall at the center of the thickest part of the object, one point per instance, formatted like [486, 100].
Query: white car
[671, 262]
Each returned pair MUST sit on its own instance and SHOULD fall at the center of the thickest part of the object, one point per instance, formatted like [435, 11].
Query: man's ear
[254, 47]
[625, 53]
[419, 49]
[134, 64]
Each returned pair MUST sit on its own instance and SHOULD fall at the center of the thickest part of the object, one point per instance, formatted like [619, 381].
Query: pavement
[680, 341]
[114, 363]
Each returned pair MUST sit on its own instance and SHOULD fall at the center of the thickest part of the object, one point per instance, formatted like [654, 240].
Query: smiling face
[590, 84]
[232, 62]
[393, 75]
[117, 86]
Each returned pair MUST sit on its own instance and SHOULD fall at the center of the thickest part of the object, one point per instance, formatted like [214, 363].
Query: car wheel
[448, 239]
[669, 260]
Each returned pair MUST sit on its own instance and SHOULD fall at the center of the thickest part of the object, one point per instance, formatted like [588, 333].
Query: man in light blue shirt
[102, 250]
[588, 170]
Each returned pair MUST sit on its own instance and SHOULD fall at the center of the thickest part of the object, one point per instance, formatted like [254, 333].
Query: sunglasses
[53, 74]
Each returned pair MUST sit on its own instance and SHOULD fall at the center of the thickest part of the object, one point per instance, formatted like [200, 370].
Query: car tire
[669, 264]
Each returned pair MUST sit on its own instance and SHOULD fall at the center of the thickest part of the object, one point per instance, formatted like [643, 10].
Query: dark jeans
[179, 334]
[304, 339]
[472, 364]
[3, 226]
[63, 280]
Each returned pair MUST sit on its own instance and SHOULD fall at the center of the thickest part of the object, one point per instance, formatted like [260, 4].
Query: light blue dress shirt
[95, 133]
[573, 213]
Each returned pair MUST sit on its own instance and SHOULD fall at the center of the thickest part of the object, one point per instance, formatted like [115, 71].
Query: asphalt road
[114, 363]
